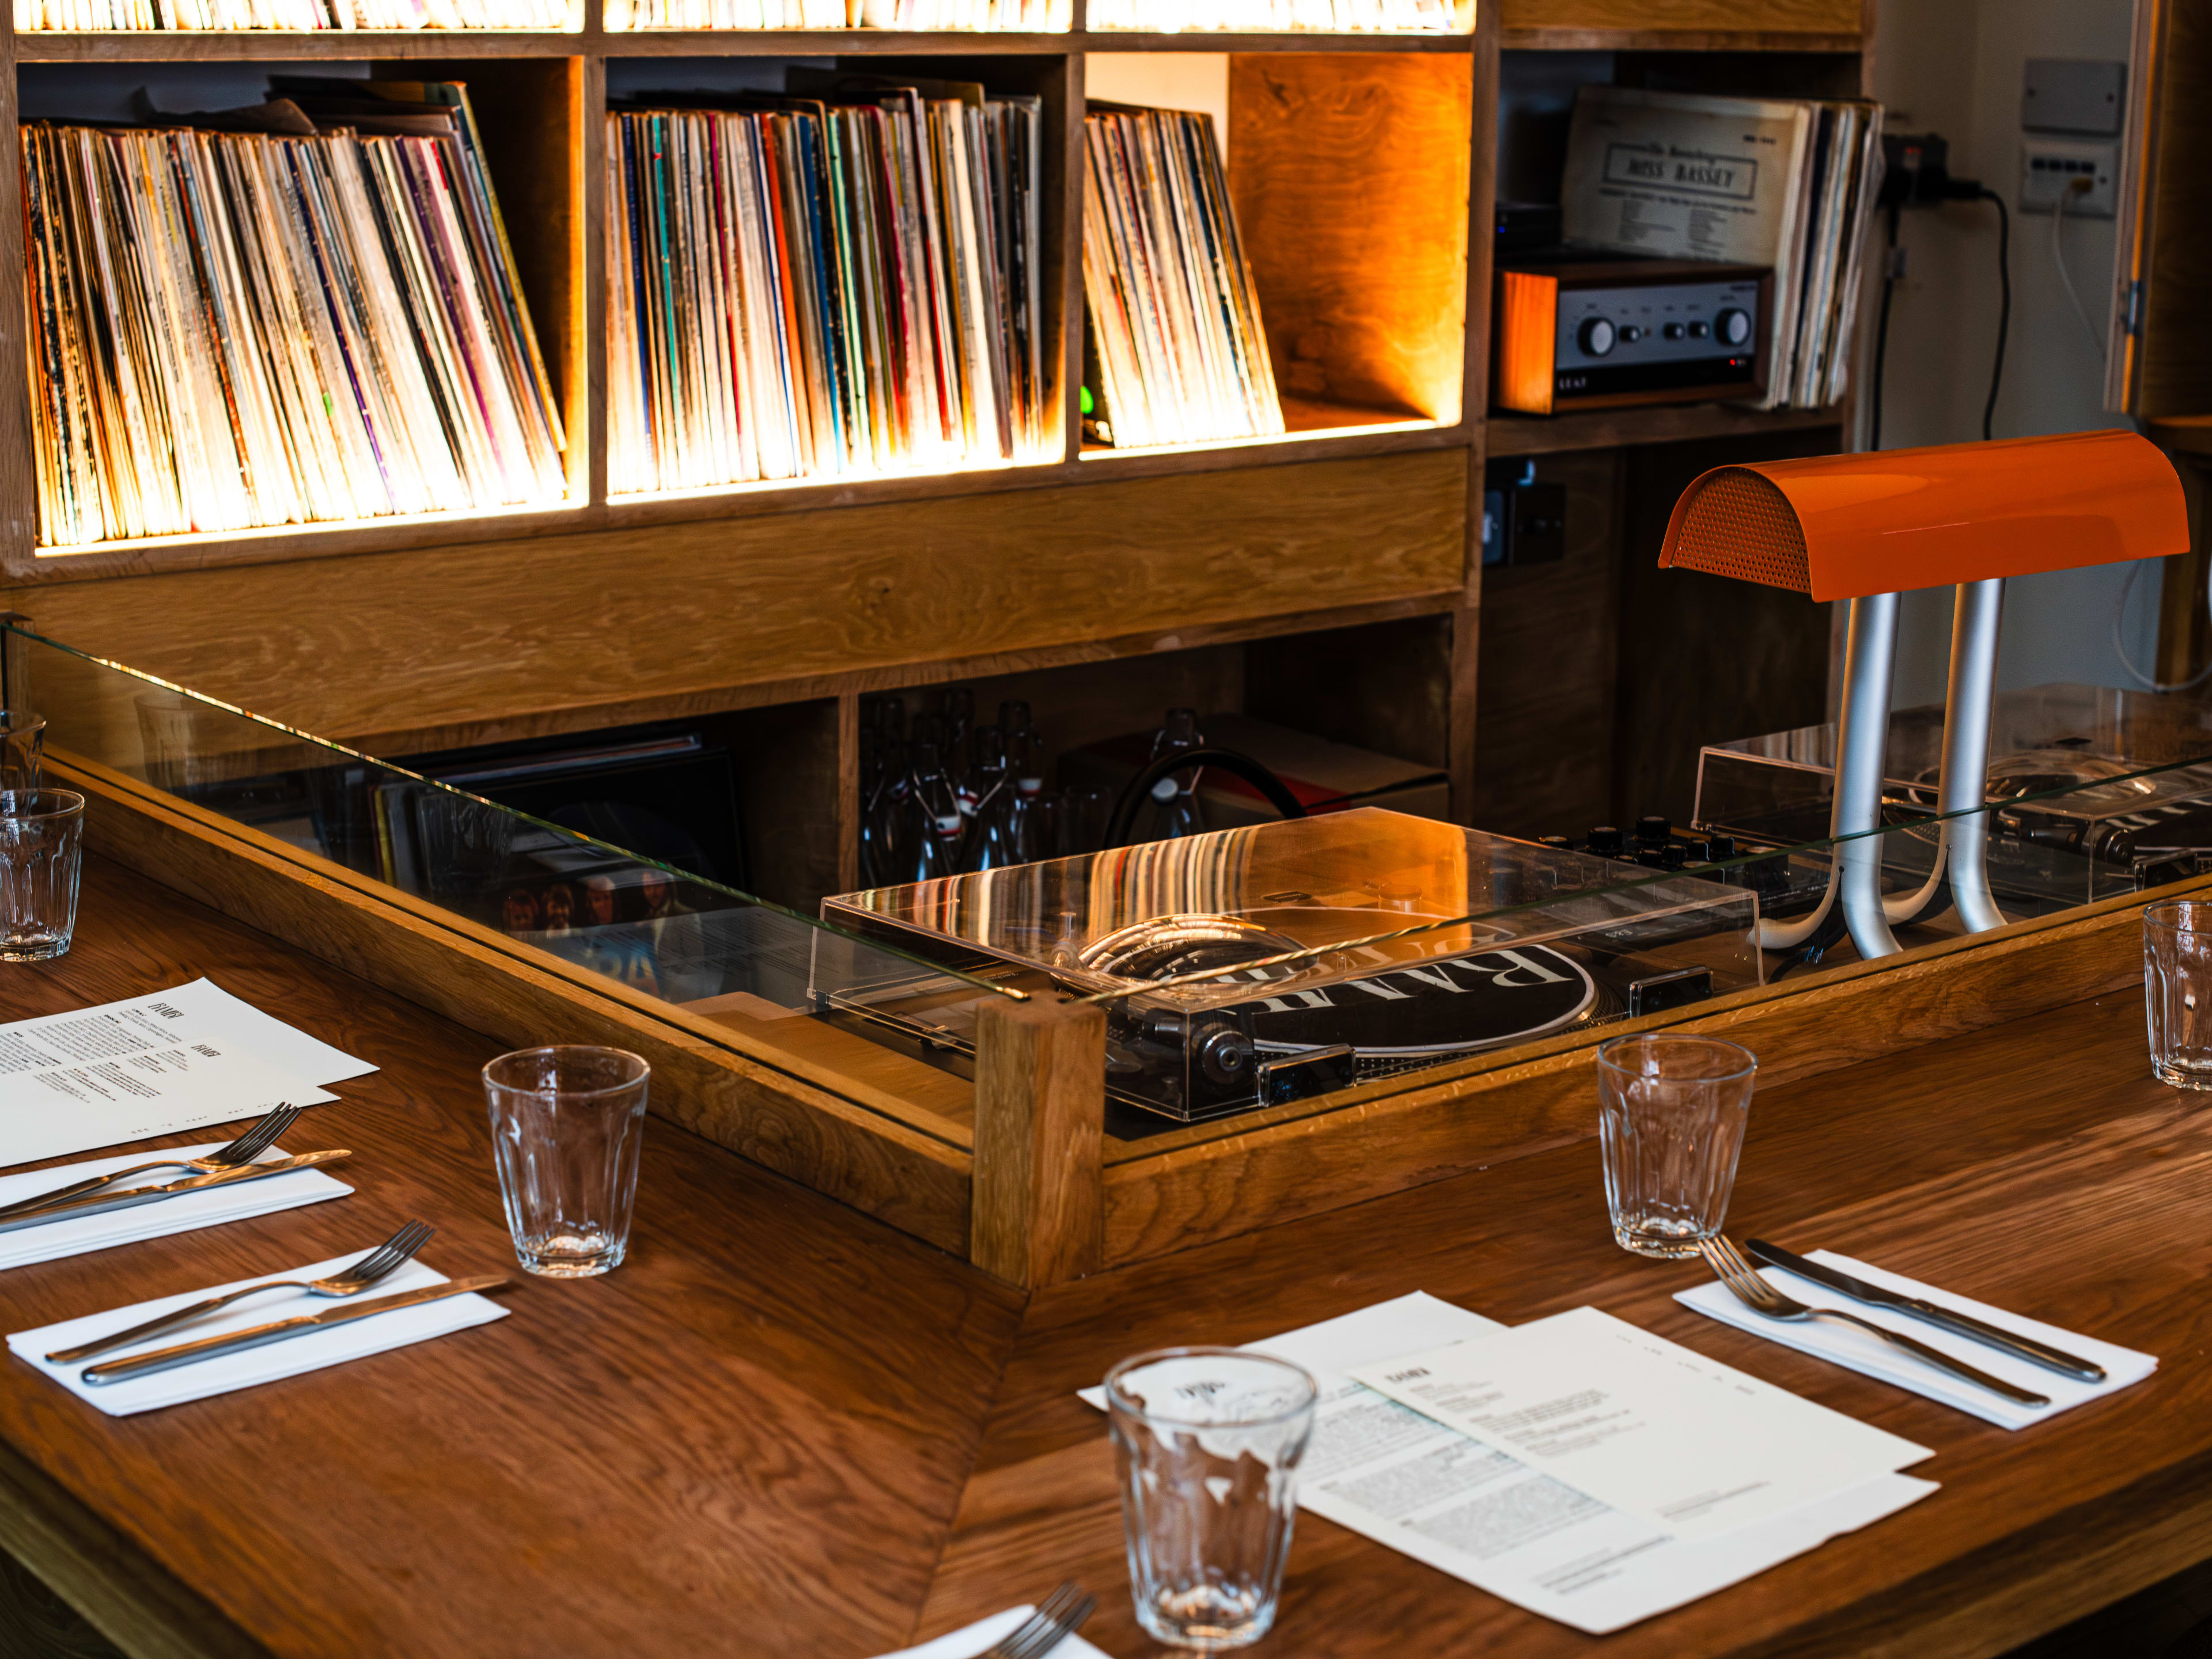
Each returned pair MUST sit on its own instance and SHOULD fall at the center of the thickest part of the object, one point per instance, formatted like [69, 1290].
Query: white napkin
[50, 1240]
[353, 1341]
[978, 1637]
[1857, 1351]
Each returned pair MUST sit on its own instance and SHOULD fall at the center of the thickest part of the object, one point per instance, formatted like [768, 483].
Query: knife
[2026, 1347]
[209, 1347]
[97, 1203]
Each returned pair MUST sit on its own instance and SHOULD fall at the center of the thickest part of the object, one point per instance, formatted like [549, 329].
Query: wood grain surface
[1544, 728]
[1732, 16]
[1040, 1118]
[623, 626]
[782, 1428]
[749, 1439]
[1349, 175]
[2037, 1166]
[2173, 358]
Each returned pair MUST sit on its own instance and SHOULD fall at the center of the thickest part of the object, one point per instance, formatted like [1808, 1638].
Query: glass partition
[645, 916]
[1261, 966]
[1248, 967]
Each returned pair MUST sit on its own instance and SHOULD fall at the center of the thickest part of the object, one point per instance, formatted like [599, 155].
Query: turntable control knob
[1596, 336]
[1734, 326]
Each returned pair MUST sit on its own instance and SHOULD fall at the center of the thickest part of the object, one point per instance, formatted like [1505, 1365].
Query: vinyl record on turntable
[1413, 1007]
[1512, 994]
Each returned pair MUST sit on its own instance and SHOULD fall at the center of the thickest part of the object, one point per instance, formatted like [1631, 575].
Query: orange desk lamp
[1868, 527]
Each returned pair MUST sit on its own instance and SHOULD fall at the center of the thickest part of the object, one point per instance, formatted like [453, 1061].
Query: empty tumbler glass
[566, 1126]
[42, 853]
[1208, 1440]
[2178, 991]
[1671, 1115]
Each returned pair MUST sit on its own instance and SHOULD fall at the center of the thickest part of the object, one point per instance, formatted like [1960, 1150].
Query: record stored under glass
[1253, 966]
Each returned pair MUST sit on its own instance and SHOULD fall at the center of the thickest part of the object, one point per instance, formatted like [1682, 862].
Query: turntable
[1259, 965]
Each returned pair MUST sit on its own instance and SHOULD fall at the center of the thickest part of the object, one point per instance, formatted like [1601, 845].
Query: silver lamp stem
[1869, 656]
[1966, 749]
[1869, 662]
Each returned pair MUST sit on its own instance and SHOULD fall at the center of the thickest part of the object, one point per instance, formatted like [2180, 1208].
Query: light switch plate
[2048, 166]
[2072, 94]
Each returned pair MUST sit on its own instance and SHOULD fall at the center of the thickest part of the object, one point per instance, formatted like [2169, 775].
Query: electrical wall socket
[2049, 167]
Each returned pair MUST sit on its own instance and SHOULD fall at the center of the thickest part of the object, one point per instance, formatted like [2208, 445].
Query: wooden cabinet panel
[1349, 174]
[625, 624]
[1717, 16]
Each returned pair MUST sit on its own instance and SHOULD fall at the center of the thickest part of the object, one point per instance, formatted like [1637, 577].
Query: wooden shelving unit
[1361, 168]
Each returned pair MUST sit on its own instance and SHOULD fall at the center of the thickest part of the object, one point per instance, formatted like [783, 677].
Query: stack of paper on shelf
[847, 279]
[1180, 355]
[304, 312]
[1786, 182]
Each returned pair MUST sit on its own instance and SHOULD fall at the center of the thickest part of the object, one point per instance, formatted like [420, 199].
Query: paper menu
[152, 1065]
[1385, 1471]
[1640, 1425]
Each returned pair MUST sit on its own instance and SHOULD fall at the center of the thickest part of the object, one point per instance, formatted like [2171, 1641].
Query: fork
[1052, 1623]
[379, 1263]
[1751, 1288]
[244, 1150]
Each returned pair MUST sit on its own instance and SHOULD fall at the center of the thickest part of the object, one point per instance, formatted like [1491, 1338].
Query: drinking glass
[22, 746]
[41, 849]
[1671, 1113]
[1209, 1442]
[2178, 991]
[566, 1126]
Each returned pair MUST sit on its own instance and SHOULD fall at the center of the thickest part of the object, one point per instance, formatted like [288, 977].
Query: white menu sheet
[1385, 1471]
[1682, 1443]
[153, 1065]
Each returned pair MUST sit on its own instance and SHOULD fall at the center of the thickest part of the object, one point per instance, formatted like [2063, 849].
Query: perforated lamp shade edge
[1846, 526]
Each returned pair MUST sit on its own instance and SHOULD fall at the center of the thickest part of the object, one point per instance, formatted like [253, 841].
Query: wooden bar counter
[784, 1428]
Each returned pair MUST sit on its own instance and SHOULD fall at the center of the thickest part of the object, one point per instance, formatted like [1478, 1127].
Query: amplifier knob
[1596, 336]
[1733, 326]
[1674, 330]
[1630, 334]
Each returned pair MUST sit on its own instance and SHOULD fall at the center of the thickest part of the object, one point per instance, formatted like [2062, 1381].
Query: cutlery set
[1752, 1288]
[233, 1165]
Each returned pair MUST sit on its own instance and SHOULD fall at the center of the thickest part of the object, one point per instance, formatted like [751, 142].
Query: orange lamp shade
[1846, 526]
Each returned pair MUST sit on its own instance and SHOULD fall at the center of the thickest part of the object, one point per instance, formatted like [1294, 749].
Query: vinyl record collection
[1025, 16]
[192, 14]
[304, 312]
[1179, 356]
[844, 279]
[1275, 16]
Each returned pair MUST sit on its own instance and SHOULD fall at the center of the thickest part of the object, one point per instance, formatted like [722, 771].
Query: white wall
[1954, 67]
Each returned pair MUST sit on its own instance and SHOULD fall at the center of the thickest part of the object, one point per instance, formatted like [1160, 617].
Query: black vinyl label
[1461, 1002]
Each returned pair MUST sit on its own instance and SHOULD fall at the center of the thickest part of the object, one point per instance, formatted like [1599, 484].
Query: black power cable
[1918, 175]
[1981, 193]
